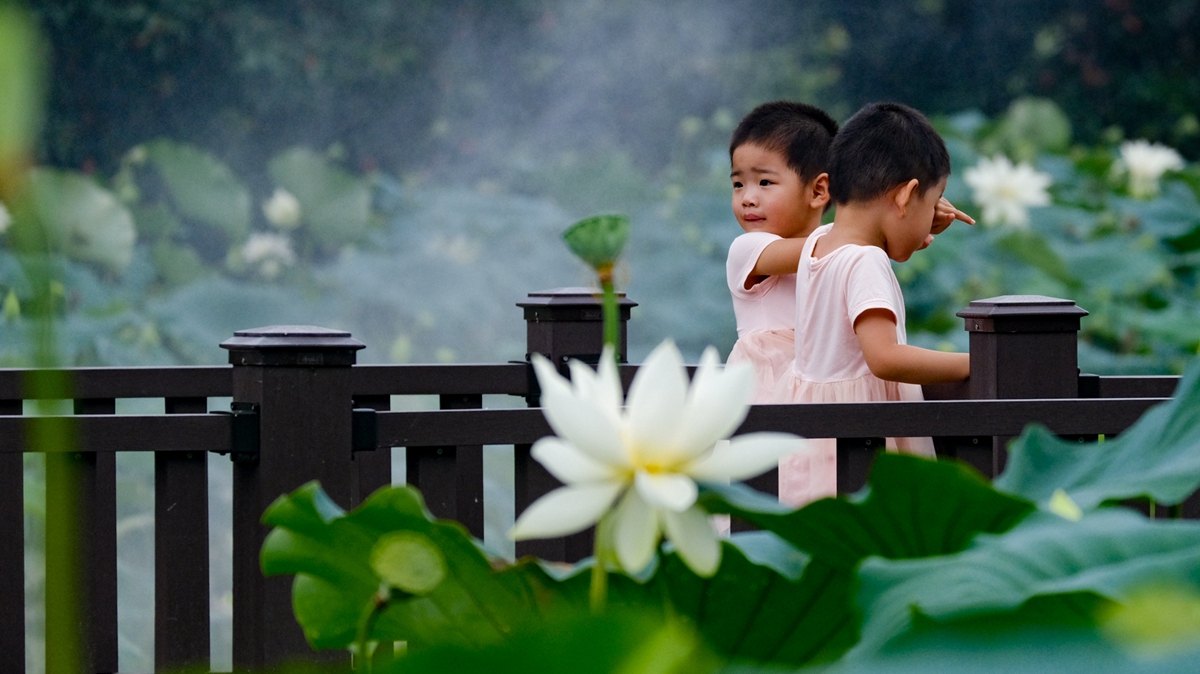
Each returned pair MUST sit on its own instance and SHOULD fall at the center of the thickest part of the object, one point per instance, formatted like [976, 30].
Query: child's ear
[818, 191]
[905, 194]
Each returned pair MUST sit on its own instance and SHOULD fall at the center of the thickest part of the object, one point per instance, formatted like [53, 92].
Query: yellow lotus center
[1006, 192]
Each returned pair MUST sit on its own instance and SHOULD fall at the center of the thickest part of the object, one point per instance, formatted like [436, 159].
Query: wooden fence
[303, 410]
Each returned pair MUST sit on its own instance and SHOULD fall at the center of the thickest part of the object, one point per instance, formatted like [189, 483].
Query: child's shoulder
[748, 243]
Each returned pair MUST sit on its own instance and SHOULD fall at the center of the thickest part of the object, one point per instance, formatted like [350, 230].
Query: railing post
[1022, 346]
[561, 324]
[297, 379]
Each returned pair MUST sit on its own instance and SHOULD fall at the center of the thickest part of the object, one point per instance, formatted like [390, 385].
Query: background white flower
[283, 209]
[1006, 191]
[271, 252]
[646, 458]
[1145, 163]
[5, 218]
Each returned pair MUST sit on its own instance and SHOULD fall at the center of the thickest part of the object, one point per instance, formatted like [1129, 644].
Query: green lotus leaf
[330, 553]
[82, 218]
[202, 188]
[617, 642]
[911, 508]
[1109, 554]
[334, 205]
[1159, 457]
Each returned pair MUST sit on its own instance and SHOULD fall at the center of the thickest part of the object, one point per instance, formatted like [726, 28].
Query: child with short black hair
[779, 155]
[887, 172]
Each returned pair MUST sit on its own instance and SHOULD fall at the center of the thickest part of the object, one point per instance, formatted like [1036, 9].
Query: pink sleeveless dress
[765, 314]
[831, 293]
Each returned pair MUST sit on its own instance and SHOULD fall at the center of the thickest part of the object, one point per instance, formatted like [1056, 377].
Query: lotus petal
[566, 510]
[570, 465]
[717, 404]
[745, 456]
[694, 539]
[672, 491]
[581, 421]
[635, 532]
[655, 404]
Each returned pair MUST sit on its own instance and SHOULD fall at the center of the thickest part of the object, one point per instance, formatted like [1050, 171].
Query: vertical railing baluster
[468, 480]
[451, 478]
[12, 553]
[181, 602]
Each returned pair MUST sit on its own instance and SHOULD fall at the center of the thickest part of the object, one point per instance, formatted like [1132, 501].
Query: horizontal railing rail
[198, 381]
[106, 433]
[515, 379]
[816, 420]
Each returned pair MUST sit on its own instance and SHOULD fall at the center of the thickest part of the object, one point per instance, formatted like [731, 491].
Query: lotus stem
[375, 607]
[612, 325]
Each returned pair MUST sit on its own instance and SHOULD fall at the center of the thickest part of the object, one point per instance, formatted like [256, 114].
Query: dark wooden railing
[302, 410]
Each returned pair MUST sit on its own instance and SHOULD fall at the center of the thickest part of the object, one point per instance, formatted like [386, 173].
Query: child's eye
[736, 184]
[764, 182]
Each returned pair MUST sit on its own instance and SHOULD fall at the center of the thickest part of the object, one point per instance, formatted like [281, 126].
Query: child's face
[768, 195]
[911, 232]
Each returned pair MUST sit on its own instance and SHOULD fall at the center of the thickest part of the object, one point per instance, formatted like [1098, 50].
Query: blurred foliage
[1130, 262]
[473, 89]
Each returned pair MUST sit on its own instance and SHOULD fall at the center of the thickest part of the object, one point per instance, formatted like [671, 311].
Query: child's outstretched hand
[945, 213]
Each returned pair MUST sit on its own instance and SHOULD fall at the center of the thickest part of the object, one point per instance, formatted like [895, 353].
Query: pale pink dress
[766, 314]
[831, 292]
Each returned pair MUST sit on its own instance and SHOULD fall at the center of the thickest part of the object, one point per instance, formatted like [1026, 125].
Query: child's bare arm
[892, 361]
[779, 257]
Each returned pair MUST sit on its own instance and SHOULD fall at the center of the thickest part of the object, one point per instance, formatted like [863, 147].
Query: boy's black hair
[800, 132]
[884, 145]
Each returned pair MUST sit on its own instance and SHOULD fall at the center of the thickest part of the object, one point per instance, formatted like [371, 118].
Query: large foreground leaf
[1106, 554]
[912, 507]
[767, 603]
[996, 645]
[329, 551]
[1159, 457]
[620, 642]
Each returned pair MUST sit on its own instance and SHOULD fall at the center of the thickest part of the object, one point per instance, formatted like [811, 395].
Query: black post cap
[298, 345]
[571, 304]
[1022, 313]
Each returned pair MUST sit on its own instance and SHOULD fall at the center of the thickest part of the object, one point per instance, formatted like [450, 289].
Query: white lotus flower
[283, 209]
[5, 218]
[271, 252]
[1006, 191]
[648, 457]
[1145, 163]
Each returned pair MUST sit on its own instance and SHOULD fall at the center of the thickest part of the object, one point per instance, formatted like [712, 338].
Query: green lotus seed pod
[598, 240]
